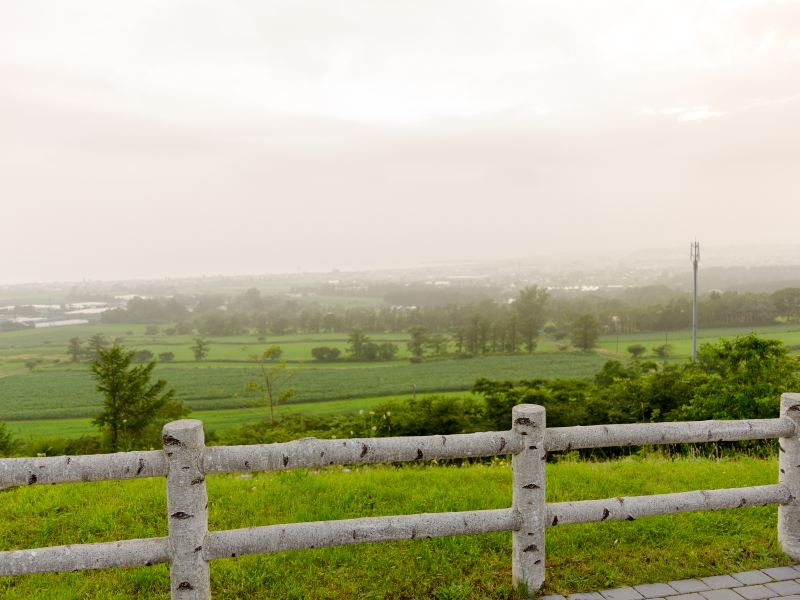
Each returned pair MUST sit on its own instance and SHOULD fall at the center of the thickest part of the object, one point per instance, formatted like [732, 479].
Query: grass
[69, 392]
[58, 397]
[218, 421]
[579, 557]
[681, 341]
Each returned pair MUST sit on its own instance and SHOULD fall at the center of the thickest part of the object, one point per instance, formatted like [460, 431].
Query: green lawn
[579, 557]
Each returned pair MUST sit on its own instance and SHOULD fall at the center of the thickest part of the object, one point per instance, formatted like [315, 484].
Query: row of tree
[510, 323]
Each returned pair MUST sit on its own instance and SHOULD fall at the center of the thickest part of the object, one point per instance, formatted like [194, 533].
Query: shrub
[324, 353]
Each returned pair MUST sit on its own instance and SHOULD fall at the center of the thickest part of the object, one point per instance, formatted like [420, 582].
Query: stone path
[780, 582]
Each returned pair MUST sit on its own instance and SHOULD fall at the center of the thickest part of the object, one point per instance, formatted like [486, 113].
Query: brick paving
[766, 584]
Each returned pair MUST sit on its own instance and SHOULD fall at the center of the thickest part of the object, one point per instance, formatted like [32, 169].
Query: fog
[155, 139]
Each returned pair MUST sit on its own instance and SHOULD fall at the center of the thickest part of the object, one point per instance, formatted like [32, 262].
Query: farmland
[57, 397]
[579, 557]
[681, 341]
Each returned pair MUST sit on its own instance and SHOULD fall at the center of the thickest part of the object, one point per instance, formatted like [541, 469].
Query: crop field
[579, 557]
[681, 341]
[57, 397]
[50, 345]
[69, 392]
[218, 421]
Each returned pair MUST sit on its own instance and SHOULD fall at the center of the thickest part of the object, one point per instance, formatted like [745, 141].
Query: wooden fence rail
[185, 461]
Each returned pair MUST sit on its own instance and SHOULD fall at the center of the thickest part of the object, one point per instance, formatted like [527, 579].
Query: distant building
[60, 323]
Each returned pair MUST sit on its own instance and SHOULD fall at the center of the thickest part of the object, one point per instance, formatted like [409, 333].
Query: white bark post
[528, 466]
[187, 504]
[789, 475]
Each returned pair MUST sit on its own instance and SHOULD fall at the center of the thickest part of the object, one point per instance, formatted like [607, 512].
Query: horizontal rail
[81, 557]
[319, 534]
[313, 452]
[89, 467]
[685, 432]
[632, 507]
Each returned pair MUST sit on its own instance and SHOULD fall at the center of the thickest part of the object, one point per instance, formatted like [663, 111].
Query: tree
[744, 379]
[184, 328]
[664, 351]
[387, 351]
[419, 339]
[272, 383]
[75, 349]
[166, 356]
[273, 353]
[636, 350]
[438, 344]
[787, 304]
[130, 401]
[95, 344]
[529, 309]
[200, 348]
[585, 331]
[325, 353]
[142, 356]
[151, 330]
[356, 341]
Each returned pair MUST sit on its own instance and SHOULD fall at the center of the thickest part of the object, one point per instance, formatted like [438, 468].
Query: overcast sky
[169, 138]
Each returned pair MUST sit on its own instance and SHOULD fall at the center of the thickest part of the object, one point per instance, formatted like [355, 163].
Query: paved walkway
[780, 582]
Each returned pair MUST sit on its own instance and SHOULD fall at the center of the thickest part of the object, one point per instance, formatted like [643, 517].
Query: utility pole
[694, 254]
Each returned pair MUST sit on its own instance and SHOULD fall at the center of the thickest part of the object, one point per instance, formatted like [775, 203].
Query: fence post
[187, 506]
[528, 467]
[789, 475]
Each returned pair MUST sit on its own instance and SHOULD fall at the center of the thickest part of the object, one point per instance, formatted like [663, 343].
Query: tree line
[487, 325]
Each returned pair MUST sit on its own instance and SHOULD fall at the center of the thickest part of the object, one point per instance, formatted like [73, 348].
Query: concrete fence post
[187, 506]
[789, 475]
[528, 466]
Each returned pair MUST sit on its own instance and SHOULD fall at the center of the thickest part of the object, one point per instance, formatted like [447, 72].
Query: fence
[185, 462]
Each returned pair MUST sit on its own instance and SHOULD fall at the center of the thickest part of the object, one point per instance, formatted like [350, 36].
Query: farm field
[579, 557]
[218, 421]
[50, 345]
[681, 341]
[63, 393]
[58, 397]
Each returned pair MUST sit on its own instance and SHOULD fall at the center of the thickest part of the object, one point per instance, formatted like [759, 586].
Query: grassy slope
[579, 558]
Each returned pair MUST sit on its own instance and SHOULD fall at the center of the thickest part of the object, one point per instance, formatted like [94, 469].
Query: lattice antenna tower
[694, 255]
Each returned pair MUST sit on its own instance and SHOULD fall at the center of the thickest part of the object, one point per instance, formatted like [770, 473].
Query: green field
[681, 341]
[579, 557]
[57, 398]
[50, 345]
[60, 389]
[218, 421]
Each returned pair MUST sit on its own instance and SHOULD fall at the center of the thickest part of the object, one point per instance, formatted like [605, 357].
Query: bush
[7, 442]
[664, 351]
[636, 350]
[166, 356]
[143, 356]
[63, 446]
[324, 353]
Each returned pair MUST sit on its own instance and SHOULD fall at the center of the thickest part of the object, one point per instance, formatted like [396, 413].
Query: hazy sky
[167, 138]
